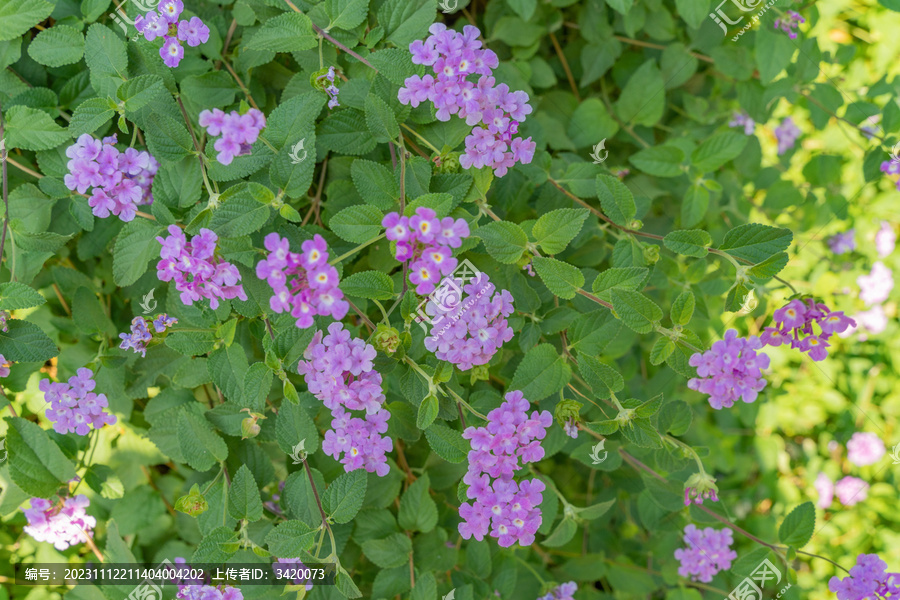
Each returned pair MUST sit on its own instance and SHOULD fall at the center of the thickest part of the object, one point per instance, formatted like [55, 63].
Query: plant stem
[424, 141]
[355, 250]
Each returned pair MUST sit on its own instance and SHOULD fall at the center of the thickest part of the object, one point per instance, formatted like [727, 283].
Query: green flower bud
[567, 410]
[386, 338]
[249, 428]
[193, 503]
[447, 162]
[479, 373]
[651, 254]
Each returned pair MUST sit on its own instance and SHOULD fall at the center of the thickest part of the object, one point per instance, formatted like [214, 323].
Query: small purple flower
[193, 32]
[865, 449]
[867, 579]
[742, 119]
[786, 134]
[4, 318]
[152, 26]
[239, 132]
[794, 325]
[788, 23]
[841, 243]
[565, 591]
[708, 552]
[730, 370]
[62, 524]
[73, 405]
[171, 52]
[170, 10]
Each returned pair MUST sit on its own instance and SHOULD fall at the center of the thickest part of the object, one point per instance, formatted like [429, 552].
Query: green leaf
[18, 16]
[662, 348]
[228, 367]
[625, 278]
[756, 242]
[643, 99]
[290, 539]
[375, 183]
[344, 584]
[773, 54]
[347, 14]
[380, 119]
[373, 285]
[36, 464]
[140, 90]
[541, 373]
[661, 161]
[357, 224]
[718, 150]
[616, 199]
[345, 131]
[554, 230]
[26, 342]
[591, 123]
[621, 6]
[595, 511]
[636, 310]
[288, 32]
[135, 246]
[32, 129]
[798, 527]
[405, 21]
[675, 417]
[243, 209]
[418, 512]
[294, 425]
[564, 532]
[167, 139]
[106, 58]
[428, 411]
[201, 446]
[90, 116]
[447, 442]
[14, 295]
[191, 343]
[504, 241]
[770, 267]
[689, 242]
[694, 12]
[563, 279]
[389, 552]
[243, 497]
[60, 45]
[602, 378]
[88, 313]
[344, 497]
[641, 433]
[682, 308]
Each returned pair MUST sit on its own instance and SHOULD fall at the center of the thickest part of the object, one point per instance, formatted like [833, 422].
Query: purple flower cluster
[494, 111]
[73, 406]
[742, 119]
[425, 241]
[794, 323]
[63, 524]
[892, 167]
[195, 268]
[697, 497]
[121, 180]
[731, 369]
[4, 366]
[885, 239]
[509, 509]
[786, 134]
[283, 567]
[789, 22]
[842, 243]
[564, 591]
[167, 26]
[325, 82]
[708, 552]
[868, 579]
[140, 334]
[875, 287]
[4, 317]
[339, 372]
[304, 284]
[239, 132]
[850, 490]
[471, 331]
[865, 449]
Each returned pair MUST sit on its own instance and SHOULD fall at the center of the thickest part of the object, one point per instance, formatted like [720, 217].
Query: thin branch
[565, 65]
[3, 153]
[325, 35]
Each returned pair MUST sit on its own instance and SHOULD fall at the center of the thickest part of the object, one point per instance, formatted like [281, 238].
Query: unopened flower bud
[193, 503]
[386, 338]
[651, 254]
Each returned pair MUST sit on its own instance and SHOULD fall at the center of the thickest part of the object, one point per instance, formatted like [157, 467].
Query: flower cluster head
[742, 119]
[849, 490]
[794, 325]
[167, 26]
[885, 239]
[789, 22]
[195, 589]
[283, 567]
[425, 241]
[339, 372]
[324, 80]
[509, 510]
[239, 131]
[4, 319]
[4, 366]
[63, 523]
[195, 268]
[842, 243]
[121, 181]
[730, 370]
[868, 579]
[786, 134]
[875, 287]
[699, 487]
[564, 591]
[892, 167]
[493, 110]
[708, 552]
[304, 284]
[865, 449]
[468, 330]
[141, 335]
[825, 488]
[73, 406]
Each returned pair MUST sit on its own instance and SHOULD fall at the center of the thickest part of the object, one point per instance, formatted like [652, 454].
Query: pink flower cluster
[73, 406]
[794, 323]
[708, 552]
[494, 111]
[867, 579]
[509, 509]
[850, 490]
[167, 26]
[875, 287]
[304, 284]
[4, 366]
[469, 332]
[565, 591]
[865, 448]
[121, 180]
[425, 241]
[63, 524]
[730, 370]
[339, 372]
[195, 268]
[239, 132]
